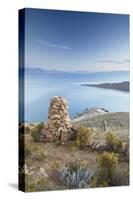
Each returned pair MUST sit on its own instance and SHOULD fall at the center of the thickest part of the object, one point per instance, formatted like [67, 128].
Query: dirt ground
[63, 153]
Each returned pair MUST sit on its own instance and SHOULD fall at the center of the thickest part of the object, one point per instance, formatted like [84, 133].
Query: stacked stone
[59, 125]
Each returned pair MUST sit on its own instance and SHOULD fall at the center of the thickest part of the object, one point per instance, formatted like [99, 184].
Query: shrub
[35, 152]
[74, 175]
[107, 164]
[107, 160]
[84, 137]
[109, 173]
[113, 143]
[36, 132]
[120, 178]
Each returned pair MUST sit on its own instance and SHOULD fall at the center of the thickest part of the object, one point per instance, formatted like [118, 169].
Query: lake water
[40, 87]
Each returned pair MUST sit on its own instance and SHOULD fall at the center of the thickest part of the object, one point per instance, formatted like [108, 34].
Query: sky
[76, 41]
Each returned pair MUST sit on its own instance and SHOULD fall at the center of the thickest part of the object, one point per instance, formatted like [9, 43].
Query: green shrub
[107, 160]
[107, 164]
[113, 143]
[84, 137]
[36, 132]
[109, 173]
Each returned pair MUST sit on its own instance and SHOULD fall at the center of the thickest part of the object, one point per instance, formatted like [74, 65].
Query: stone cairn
[59, 125]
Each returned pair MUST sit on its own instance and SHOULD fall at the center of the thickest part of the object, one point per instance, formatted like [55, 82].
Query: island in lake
[124, 86]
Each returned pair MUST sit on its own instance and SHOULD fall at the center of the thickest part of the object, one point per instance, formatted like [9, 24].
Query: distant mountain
[40, 70]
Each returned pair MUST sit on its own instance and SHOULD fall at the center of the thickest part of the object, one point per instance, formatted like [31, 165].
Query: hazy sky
[73, 41]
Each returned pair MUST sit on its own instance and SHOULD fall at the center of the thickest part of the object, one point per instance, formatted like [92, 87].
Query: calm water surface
[40, 87]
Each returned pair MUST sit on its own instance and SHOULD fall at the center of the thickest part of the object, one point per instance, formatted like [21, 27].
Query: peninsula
[123, 86]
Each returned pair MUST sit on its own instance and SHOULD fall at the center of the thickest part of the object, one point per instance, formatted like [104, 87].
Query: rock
[59, 123]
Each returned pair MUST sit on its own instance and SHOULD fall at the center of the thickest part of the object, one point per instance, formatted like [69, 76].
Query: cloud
[54, 45]
[114, 61]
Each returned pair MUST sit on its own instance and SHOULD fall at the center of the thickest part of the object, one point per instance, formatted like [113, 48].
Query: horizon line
[56, 70]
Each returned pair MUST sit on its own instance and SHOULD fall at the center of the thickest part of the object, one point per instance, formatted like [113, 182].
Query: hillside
[104, 122]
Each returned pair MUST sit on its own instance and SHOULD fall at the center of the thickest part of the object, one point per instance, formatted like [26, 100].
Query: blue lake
[41, 86]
